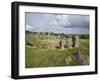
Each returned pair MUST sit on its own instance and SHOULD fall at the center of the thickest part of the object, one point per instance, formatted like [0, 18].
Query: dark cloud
[57, 22]
[78, 21]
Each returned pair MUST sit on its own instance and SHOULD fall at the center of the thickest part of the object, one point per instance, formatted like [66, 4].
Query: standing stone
[82, 58]
[75, 40]
[69, 42]
[78, 55]
[61, 44]
[29, 40]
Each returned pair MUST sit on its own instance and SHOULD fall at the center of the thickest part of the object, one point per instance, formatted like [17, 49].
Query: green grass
[35, 57]
[84, 46]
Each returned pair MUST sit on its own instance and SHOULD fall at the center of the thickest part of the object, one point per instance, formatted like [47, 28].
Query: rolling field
[52, 57]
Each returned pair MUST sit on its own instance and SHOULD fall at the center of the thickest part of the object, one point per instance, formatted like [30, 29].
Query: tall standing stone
[29, 40]
[75, 40]
[61, 44]
[69, 42]
[82, 58]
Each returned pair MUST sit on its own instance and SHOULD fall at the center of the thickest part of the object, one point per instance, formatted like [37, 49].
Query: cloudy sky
[57, 23]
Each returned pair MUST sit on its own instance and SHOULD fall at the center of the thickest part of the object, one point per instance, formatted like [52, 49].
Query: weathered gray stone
[29, 40]
[83, 58]
[75, 40]
[69, 43]
[61, 44]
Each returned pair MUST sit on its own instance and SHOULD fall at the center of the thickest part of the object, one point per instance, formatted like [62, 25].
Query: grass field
[36, 57]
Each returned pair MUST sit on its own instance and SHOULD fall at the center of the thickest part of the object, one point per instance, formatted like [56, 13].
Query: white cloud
[35, 28]
[28, 27]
